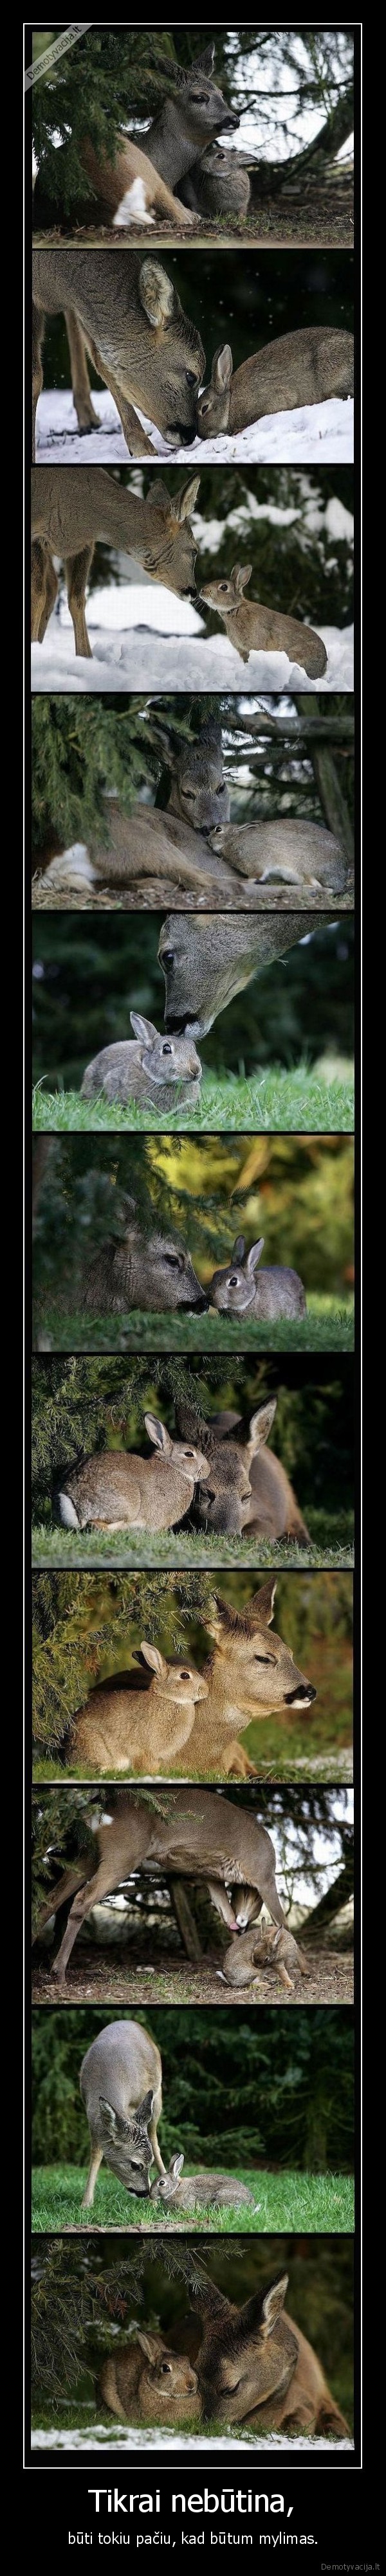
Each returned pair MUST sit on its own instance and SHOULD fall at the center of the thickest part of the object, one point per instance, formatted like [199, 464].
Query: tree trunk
[184, 1918]
[327, 781]
[286, 178]
[336, 1896]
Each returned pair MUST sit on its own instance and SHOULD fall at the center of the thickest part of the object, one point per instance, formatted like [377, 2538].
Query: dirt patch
[319, 220]
[330, 1980]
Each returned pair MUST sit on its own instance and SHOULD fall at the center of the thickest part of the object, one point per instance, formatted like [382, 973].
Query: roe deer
[301, 854]
[206, 961]
[199, 2191]
[236, 1291]
[199, 1835]
[242, 1488]
[127, 1730]
[256, 2367]
[250, 1675]
[218, 184]
[262, 1947]
[251, 628]
[151, 1271]
[302, 367]
[166, 2392]
[192, 112]
[118, 1490]
[72, 507]
[121, 2087]
[160, 1073]
[149, 841]
[126, 312]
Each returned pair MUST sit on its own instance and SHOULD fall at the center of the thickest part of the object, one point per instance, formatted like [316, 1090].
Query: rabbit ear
[222, 367]
[152, 1656]
[143, 1029]
[158, 1433]
[242, 574]
[254, 1255]
[175, 2168]
[238, 1248]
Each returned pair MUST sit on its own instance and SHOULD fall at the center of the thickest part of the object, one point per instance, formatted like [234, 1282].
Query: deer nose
[304, 1694]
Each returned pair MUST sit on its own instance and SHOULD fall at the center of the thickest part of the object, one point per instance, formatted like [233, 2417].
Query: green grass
[297, 1102]
[331, 1545]
[326, 1327]
[319, 2204]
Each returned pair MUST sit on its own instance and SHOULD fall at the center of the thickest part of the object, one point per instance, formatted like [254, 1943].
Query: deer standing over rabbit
[236, 1291]
[125, 311]
[199, 1835]
[253, 629]
[300, 368]
[121, 2087]
[157, 1072]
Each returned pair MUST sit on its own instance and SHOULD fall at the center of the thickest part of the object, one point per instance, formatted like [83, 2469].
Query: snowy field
[135, 634]
[321, 433]
[132, 2438]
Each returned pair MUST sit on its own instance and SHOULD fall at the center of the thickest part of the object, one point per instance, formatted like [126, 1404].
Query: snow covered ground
[136, 630]
[321, 433]
[107, 2437]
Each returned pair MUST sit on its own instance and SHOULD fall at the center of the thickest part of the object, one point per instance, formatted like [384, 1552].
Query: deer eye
[264, 1659]
[167, 1050]
[168, 956]
[172, 1261]
[191, 379]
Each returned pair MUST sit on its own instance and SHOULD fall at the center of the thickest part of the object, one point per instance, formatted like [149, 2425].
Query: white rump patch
[73, 867]
[67, 1512]
[133, 208]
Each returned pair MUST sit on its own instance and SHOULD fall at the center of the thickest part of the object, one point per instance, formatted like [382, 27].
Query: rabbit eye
[223, 585]
[167, 1050]
[233, 1283]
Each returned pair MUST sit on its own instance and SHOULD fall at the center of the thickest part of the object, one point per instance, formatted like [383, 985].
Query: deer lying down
[300, 368]
[253, 629]
[199, 2191]
[156, 1071]
[256, 2367]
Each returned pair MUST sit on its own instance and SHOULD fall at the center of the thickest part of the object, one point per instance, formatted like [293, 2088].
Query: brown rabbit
[254, 629]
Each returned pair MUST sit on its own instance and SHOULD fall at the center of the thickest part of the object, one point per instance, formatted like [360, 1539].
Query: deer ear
[158, 1433]
[242, 574]
[114, 2123]
[203, 62]
[156, 293]
[152, 1656]
[238, 1248]
[254, 1255]
[261, 1424]
[273, 2302]
[218, 1618]
[143, 1028]
[186, 499]
[222, 366]
[158, 498]
[263, 1601]
[143, 2115]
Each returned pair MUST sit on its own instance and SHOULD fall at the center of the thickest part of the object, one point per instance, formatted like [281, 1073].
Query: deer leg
[96, 2159]
[234, 1759]
[101, 1884]
[77, 568]
[37, 370]
[87, 418]
[136, 439]
[271, 1899]
[220, 1899]
[44, 587]
[152, 2134]
[66, 1886]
